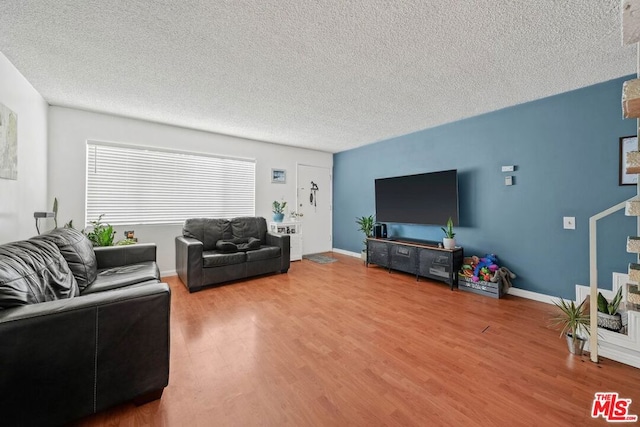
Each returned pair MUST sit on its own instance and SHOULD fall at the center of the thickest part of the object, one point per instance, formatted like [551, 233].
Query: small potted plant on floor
[608, 316]
[574, 320]
[278, 210]
[448, 242]
[366, 226]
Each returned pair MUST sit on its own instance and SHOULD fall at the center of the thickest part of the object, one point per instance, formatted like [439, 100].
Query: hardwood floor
[340, 344]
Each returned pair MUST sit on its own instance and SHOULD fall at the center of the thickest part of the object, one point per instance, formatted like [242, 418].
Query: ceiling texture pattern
[323, 74]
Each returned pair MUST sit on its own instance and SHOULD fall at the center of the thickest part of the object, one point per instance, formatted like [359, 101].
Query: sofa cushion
[226, 246]
[264, 252]
[218, 259]
[208, 231]
[245, 227]
[126, 275]
[34, 271]
[77, 250]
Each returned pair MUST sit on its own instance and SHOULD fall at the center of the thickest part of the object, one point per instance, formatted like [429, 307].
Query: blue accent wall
[566, 152]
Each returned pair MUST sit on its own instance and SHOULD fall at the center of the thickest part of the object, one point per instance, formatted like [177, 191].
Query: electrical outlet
[569, 222]
[508, 180]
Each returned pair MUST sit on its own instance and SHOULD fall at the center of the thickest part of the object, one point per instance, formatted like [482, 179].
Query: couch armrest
[81, 355]
[189, 262]
[283, 241]
[117, 256]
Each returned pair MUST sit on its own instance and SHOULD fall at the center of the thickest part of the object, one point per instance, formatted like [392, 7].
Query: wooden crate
[488, 289]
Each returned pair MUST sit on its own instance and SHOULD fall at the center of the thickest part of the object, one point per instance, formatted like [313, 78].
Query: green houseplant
[101, 234]
[448, 240]
[278, 210]
[365, 224]
[608, 316]
[574, 320]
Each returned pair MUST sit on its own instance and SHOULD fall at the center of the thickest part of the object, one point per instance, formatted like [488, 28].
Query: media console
[421, 258]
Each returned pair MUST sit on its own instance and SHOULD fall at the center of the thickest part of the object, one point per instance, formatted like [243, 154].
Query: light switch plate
[569, 222]
[507, 169]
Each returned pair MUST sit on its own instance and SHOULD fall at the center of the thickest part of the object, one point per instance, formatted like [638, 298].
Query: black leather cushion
[208, 231]
[34, 271]
[126, 275]
[265, 252]
[216, 259]
[226, 246]
[77, 250]
[245, 227]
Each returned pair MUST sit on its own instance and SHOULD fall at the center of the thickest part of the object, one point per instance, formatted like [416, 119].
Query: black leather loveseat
[80, 330]
[213, 250]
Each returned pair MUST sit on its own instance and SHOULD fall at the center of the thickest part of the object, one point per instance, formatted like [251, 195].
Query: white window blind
[136, 185]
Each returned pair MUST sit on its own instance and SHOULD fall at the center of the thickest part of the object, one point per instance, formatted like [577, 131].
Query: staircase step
[631, 99]
[633, 162]
[634, 272]
[632, 208]
[633, 244]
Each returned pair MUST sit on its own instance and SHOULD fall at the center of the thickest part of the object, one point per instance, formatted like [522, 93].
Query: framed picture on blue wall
[627, 145]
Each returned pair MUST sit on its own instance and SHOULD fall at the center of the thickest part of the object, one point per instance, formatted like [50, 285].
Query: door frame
[330, 170]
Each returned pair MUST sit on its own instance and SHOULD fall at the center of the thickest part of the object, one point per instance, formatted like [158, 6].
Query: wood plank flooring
[341, 344]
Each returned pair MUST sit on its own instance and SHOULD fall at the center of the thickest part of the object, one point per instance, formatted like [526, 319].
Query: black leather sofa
[80, 329]
[212, 251]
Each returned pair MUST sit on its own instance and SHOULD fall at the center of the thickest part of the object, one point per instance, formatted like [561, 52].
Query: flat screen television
[427, 198]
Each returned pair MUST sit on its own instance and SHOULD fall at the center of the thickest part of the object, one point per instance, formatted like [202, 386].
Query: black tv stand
[419, 257]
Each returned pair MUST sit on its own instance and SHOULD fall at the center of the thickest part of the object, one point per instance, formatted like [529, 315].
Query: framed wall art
[8, 143]
[627, 144]
[278, 176]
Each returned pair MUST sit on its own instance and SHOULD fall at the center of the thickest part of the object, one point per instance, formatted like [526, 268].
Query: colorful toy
[485, 268]
[503, 275]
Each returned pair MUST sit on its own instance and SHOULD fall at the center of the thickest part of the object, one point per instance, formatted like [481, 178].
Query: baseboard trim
[517, 292]
[168, 273]
[349, 253]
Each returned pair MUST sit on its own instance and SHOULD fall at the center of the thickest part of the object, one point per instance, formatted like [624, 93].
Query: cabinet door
[435, 264]
[404, 258]
[378, 253]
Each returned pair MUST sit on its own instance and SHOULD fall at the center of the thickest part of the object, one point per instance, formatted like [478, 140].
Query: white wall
[20, 198]
[69, 130]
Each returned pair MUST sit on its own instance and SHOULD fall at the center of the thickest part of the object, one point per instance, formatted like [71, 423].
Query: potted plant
[278, 210]
[101, 234]
[608, 316]
[366, 226]
[448, 241]
[575, 324]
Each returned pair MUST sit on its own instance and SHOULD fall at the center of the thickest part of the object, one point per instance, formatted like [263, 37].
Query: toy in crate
[484, 276]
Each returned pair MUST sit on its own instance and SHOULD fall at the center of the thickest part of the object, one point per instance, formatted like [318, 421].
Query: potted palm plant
[278, 210]
[448, 241]
[366, 226]
[608, 316]
[574, 320]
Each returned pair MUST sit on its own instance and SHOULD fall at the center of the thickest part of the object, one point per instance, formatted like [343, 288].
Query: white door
[314, 203]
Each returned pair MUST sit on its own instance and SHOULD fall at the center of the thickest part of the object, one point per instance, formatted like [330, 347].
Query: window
[138, 185]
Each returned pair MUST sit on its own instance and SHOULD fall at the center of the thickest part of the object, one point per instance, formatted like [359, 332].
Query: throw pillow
[77, 250]
[226, 246]
[247, 244]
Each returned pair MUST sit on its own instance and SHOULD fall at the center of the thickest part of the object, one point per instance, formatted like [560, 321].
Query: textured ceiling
[329, 75]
